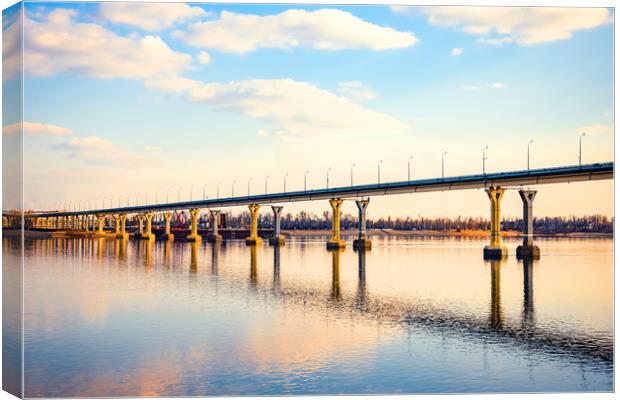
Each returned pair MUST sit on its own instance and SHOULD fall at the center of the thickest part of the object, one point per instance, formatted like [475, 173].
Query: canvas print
[221, 199]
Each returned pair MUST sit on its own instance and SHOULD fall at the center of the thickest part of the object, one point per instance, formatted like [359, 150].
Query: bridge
[91, 222]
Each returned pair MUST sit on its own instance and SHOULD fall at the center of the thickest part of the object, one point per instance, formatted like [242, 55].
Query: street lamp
[266, 182]
[285, 175]
[379, 171]
[352, 166]
[443, 156]
[204, 188]
[306, 180]
[580, 137]
[328, 169]
[484, 159]
[409, 168]
[528, 153]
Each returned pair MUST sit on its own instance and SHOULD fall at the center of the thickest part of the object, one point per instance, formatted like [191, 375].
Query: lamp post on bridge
[352, 166]
[306, 180]
[266, 183]
[249, 180]
[327, 183]
[528, 153]
[580, 137]
[379, 171]
[443, 156]
[285, 175]
[204, 190]
[484, 159]
[409, 168]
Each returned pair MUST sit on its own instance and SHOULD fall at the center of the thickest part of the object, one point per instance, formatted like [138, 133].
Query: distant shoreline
[371, 232]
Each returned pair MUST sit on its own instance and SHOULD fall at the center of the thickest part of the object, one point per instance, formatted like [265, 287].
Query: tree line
[309, 220]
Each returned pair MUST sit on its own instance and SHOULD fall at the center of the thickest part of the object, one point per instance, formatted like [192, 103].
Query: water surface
[107, 318]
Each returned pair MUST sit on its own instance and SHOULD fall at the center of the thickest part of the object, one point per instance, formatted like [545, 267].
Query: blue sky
[124, 99]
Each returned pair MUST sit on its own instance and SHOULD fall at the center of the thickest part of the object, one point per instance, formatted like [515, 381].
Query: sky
[146, 101]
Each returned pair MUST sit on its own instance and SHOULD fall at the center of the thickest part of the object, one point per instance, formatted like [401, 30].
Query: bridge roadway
[565, 174]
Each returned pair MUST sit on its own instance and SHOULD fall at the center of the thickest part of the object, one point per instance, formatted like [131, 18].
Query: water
[410, 316]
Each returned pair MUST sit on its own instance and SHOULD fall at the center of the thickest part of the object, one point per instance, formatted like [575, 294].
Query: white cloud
[524, 25]
[497, 41]
[149, 16]
[596, 129]
[58, 43]
[36, 128]
[204, 58]
[355, 90]
[477, 88]
[325, 29]
[95, 148]
[457, 51]
[290, 107]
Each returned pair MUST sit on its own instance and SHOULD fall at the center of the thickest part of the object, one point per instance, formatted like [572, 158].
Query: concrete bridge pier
[194, 236]
[215, 236]
[167, 233]
[148, 229]
[495, 250]
[528, 249]
[117, 224]
[277, 239]
[138, 234]
[362, 242]
[122, 232]
[335, 242]
[100, 223]
[253, 239]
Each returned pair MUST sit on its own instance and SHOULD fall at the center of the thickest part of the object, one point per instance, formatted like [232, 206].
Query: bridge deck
[566, 174]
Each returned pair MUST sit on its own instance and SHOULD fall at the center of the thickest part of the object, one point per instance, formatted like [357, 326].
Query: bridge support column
[253, 239]
[122, 233]
[335, 242]
[495, 250]
[362, 242]
[277, 239]
[528, 249]
[148, 231]
[100, 222]
[87, 223]
[167, 233]
[117, 224]
[140, 232]
[215, 236]
[194, 236]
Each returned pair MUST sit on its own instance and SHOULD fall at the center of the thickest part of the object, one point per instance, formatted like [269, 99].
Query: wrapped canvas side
[12, 200]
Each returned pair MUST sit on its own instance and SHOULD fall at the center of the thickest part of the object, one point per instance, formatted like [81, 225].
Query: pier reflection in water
[107, 317]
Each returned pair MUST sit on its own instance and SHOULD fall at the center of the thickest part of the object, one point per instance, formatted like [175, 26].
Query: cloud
[58, 43]
[525, 26]
[355, 90]
[149, 16]
[325, 29]
[290, 107]
[204, 58]
[596, 129]
[11, 45]
[36, 128]
[498, 41]
[263, 133]
[477, 88]
[95, 148]
[457, 51]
